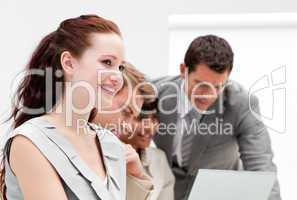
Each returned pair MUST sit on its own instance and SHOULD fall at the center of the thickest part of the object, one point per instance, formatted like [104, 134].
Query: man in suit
[208, 121]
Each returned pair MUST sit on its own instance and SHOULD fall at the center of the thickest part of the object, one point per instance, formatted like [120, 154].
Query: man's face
[203, 85]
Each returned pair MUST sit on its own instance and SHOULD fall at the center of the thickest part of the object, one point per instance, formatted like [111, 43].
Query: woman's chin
[143, 142]
[104, 103]
[142, 145]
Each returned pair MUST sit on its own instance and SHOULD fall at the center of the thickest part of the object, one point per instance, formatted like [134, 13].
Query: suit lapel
[203, 137]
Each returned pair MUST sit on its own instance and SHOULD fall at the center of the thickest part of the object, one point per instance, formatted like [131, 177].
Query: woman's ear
[67, 63]
[182, 69]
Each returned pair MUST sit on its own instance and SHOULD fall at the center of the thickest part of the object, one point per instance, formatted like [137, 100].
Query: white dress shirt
[184, 107]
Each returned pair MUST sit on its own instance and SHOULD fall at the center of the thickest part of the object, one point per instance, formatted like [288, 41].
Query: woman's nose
[116, 79]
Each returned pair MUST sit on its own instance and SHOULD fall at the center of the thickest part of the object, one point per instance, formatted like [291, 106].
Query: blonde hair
[135, 77]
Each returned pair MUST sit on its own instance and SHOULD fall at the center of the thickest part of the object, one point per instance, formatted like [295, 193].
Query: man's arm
[255, 145]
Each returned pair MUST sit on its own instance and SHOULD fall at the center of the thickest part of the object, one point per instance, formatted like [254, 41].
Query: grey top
[78, 180]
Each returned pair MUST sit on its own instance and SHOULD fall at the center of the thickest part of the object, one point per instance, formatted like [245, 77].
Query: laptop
[232, 185]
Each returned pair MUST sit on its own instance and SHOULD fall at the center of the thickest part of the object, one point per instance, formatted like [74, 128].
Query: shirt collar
[145, 160]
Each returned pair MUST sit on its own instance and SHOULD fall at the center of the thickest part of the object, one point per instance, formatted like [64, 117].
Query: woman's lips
[108, 89]
[145, 136]
[202, 101]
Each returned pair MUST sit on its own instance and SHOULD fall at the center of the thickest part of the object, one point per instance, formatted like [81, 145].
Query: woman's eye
[127, 112]
[107, 62]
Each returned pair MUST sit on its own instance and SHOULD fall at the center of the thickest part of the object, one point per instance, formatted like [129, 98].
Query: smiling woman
[48, 148]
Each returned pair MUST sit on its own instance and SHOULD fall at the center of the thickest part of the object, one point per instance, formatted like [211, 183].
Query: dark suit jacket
[248, 146]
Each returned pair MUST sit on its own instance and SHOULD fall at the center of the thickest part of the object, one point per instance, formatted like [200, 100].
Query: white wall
[24, 23]
[265, 47]
[145, 28]
[231, 6]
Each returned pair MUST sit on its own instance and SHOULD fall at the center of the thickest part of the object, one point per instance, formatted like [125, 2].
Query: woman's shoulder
[29, 165]
[22, 153]
[27, 129]
[158, 157]
[22, 148]
[156, 153]
[21, 142]
[23, 133]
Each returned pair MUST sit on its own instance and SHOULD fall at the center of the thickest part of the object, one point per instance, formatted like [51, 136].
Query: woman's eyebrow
[199, 81]
[109, 55]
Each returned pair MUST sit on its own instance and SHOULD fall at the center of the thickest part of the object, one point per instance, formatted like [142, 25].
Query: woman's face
[97, 72]
[125, 106]
[111, 118]
[142, 132]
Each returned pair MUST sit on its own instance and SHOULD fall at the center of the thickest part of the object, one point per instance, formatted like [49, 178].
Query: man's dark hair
[211, 50]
